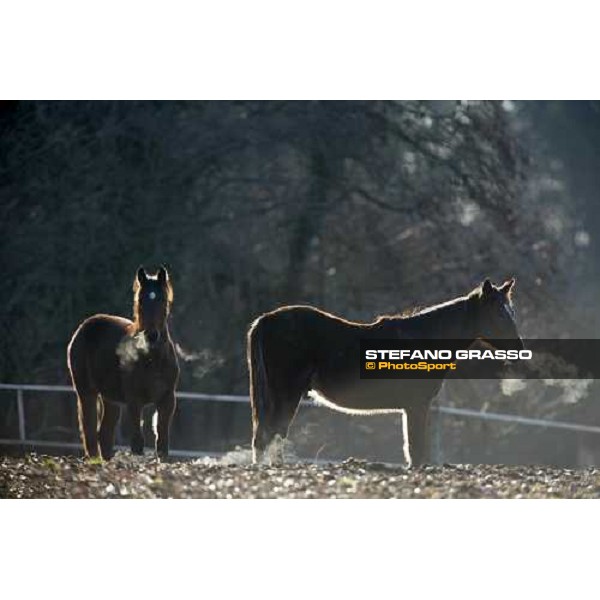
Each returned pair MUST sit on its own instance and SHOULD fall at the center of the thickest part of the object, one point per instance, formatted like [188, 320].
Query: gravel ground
[126, 476]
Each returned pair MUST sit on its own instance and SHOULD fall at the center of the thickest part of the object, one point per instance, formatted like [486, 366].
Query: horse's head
[496, 315]
[153, 295]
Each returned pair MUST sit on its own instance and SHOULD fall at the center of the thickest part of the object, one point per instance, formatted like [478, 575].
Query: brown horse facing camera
[126, 362]
[295, 351]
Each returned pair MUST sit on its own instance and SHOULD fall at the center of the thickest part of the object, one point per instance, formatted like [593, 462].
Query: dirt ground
[39, 476]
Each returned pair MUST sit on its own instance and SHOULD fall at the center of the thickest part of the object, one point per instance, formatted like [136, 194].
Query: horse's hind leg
[87, 410]
[268, 436]
[416, 435]
[260, 439]
[272, 428]
[87, 397]
[108, 428]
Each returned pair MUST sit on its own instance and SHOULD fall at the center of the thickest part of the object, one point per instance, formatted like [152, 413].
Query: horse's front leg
[165, 408]
[137, 435]
[416, 435]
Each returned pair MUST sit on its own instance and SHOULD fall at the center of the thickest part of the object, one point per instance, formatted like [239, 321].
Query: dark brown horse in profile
[126, 362]
[298, 350]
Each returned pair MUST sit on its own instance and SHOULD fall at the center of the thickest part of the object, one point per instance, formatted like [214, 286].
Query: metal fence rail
[24, 441]
[458, 412]
[490, 416]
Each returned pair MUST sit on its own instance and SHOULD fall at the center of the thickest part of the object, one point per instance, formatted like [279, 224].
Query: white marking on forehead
[152, 295]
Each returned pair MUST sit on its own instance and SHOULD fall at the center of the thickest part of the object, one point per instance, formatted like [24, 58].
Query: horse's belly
[375, 395]
[147, 387]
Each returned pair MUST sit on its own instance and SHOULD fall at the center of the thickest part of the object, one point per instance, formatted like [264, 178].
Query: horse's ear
[140, 278]
[487, 288]
[507, 286]
[163, 275]
[165, 281]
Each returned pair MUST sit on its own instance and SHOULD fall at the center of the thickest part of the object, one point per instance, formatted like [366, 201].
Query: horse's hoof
[163, 457]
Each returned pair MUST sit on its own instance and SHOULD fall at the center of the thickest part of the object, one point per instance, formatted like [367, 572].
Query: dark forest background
[360, 208]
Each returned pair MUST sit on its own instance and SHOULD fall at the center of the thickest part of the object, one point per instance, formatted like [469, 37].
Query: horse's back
[304, 313]
[100, 330]
[92, 356]
[308, 322]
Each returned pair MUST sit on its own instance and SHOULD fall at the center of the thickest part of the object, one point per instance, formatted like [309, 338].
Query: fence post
[21, 414]
[438, 453]
[437, 433]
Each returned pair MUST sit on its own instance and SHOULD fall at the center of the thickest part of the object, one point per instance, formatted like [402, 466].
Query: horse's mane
[416, 311]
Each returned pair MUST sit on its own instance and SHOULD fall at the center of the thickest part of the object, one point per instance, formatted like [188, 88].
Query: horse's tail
[259, 384]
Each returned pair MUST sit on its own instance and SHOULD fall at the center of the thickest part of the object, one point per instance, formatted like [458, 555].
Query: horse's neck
[165, 334]
[136, 325]
[456, 320]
